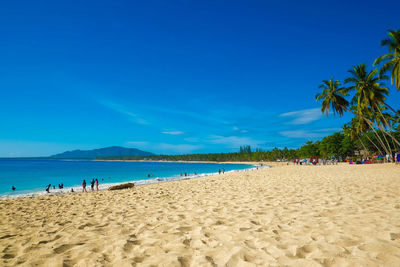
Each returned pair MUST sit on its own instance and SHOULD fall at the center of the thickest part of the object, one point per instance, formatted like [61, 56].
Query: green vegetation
[393, 58]
[374, 128]
[338, 145]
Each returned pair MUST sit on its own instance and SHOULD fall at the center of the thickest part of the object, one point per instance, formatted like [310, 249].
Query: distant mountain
[101, 152]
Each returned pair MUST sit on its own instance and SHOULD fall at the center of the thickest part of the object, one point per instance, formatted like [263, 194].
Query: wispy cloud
[308, 133]
[234, 141]
[177, 148]
[173, 132]
[328, 130]
[123, 110]
[303, 116]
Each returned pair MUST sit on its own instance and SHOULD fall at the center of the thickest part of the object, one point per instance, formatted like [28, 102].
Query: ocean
[30, 177]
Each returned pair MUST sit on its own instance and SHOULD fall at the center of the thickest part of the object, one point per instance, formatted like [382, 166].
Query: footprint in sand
[63, 248]
[394, 236]
[302, 252]
[128, 246]
[8, 256]
[184, 261]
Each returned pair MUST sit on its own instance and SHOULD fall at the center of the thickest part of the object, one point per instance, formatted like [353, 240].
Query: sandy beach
[346, 215]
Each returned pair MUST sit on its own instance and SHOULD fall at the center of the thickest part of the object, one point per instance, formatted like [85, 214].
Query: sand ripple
[290, 215]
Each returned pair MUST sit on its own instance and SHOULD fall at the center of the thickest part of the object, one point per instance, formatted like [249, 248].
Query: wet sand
[346, 215]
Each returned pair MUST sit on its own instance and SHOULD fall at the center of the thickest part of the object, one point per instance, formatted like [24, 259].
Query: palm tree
[370, 95]
[332, 95]
[353, 131]
[369, 89]
[393, 58]
[361, 126]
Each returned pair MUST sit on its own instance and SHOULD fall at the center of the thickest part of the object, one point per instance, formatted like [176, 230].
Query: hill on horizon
[101, 152]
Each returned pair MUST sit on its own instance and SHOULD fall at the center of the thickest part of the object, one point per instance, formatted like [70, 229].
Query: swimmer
[84, 186]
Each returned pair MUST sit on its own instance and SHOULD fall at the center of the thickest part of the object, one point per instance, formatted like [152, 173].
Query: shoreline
[185, 161]
[105, 186]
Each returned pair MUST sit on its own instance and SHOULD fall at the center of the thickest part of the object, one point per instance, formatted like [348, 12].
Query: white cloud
[177, 148]
[303, 116]
[173, 132]
[308, 133]
[329, 130]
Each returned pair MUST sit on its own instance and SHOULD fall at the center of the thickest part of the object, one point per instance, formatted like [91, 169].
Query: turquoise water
[30, 177]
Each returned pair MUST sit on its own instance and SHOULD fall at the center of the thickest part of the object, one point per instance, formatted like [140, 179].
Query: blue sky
[177, 76]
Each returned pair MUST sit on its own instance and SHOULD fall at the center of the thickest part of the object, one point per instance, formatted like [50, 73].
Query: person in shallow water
[13, 188]
[48, 188]
[84, 186]
[92, 184]
[97, 184]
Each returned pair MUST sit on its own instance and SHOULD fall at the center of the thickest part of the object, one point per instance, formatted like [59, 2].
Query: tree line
[338, 145]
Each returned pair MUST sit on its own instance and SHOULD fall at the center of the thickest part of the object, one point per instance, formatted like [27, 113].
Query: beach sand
[346, 215]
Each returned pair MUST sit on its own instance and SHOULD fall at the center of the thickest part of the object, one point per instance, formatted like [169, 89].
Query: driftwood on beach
[122, 186]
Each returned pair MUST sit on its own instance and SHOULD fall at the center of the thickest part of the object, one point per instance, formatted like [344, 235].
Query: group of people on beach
[187, 174]
[48, 187]
[92, 183]
[61, 186]
[315, 161]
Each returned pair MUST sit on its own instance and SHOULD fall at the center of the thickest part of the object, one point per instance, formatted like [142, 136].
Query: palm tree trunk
[369, 121]
[389, 127]
[379, 150]
[389, 107]
[378, 137]
[362, 143]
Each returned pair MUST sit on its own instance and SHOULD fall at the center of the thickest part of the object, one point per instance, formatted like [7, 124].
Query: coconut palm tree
[392, 60]
[353, 130]
[369, 88]
[332, 95]
[370, 94]
[361, 125]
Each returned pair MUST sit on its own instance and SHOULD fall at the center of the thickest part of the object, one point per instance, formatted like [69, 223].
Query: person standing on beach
[219, 171]
[84, 186]
[223, 171]
[97, 184]
[92, 184]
